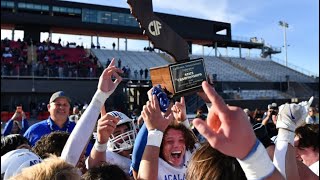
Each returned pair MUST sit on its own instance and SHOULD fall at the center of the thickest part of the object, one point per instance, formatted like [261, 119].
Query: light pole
[285, 25]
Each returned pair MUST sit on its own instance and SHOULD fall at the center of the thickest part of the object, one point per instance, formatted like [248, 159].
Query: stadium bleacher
[271, 70]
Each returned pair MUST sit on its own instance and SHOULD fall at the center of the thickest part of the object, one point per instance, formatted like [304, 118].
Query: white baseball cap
[14, 161]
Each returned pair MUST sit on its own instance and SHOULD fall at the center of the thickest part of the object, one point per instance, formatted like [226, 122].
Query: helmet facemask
[125, 140]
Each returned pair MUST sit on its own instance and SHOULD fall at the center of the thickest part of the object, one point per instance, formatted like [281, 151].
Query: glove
[291, 116]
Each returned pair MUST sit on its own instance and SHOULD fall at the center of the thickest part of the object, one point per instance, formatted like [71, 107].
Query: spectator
[75, 114]
[113, 46]
[58, 107]
[119, 63]
[146, 73]
[13, 126]
[312, 118]
[141, 73]
[136, 74]
[257, 115]
[271, 107]
[108, 62]
[271, 114]
[250, 118]
[128, 71]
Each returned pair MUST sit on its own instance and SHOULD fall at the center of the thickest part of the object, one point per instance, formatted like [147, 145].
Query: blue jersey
[37, 130]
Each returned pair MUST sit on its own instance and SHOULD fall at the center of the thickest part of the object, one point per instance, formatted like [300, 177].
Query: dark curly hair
[52, 143]
[105, 171]
[11, 142]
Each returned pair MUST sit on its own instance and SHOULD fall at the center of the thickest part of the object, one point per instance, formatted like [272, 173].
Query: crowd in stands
[50, 60]
[54, 60]
[160, 142]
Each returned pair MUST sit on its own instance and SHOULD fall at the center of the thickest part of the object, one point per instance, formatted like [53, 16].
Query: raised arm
[228, 130]
[179, 112]
[24, 123]
[84, 128]
[156, 124]
[290, 116]
[106, 125]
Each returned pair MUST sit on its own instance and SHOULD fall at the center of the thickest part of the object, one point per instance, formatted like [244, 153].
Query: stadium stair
[243, 69]
[301, 90]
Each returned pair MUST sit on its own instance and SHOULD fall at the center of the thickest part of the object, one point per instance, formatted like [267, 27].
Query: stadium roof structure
[34, 17]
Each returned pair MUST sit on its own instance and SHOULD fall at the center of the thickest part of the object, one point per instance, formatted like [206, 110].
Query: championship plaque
[183, 76]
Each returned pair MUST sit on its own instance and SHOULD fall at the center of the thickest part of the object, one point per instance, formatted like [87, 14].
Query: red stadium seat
[4, 116]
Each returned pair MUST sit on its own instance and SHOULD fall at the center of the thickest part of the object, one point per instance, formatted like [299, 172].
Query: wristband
[154, 138]
[101, 96]
[186, 123]
[286, 135]
[284, 138]
[257, 164]
[100, 147]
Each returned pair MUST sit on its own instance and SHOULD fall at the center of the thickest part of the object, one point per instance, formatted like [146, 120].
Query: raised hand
[16, 115]
[152, 116]
[105, 81]
[179, 110]
[165, 114]
[227, 127]
[293, 115]
[106, 125]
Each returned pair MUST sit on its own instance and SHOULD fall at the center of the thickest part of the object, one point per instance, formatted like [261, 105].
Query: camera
[274, 112]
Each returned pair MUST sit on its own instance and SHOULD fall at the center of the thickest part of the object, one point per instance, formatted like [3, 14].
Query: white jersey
[315, 168]
[115, 158]
[168, 172]
[121, 161]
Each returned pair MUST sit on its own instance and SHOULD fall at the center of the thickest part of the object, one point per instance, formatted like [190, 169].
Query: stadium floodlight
[285, 25]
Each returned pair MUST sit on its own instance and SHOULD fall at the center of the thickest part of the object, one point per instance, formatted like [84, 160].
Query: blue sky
[249, 18]
[257, 18]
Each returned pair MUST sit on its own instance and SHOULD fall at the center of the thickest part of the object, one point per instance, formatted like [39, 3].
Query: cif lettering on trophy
[184, 75]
